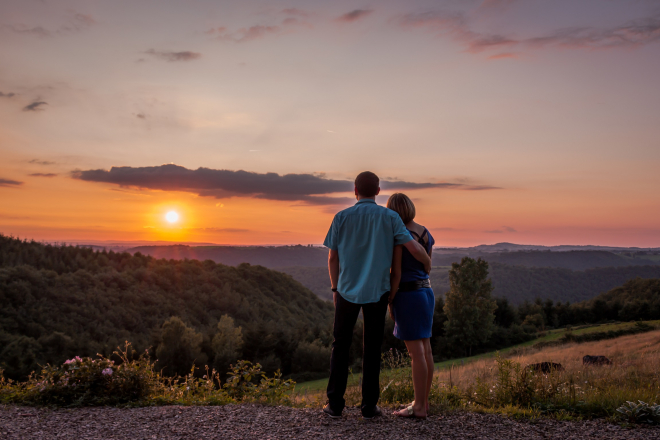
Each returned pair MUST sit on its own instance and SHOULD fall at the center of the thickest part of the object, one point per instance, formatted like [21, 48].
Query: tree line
[64, 301]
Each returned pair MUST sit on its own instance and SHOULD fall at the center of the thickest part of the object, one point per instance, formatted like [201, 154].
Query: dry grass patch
[578, 389]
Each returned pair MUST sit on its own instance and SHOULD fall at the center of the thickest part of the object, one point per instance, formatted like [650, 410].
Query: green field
[551, 335]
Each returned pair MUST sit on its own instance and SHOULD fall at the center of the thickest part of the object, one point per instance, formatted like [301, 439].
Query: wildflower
[107, 372]
[187, 388]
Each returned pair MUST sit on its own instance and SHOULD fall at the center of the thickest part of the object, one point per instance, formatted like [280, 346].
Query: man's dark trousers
[346, 314]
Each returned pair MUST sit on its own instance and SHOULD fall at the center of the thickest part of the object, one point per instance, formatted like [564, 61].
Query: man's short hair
[402, 205]
[367, 184]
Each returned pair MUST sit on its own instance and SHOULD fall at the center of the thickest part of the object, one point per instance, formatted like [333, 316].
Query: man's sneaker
[331, 413]
[376, 412]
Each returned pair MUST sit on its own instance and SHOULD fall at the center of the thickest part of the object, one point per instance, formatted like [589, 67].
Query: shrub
[311, 356]
[92, 382]
[640, 412]
[89, 382]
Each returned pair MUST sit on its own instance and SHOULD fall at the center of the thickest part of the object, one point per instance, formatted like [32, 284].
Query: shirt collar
[366, 201]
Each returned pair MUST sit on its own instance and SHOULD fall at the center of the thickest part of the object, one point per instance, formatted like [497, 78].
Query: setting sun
[172, 217]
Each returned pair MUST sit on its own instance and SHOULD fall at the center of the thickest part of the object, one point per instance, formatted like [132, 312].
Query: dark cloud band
[10, 183]
[35, 106]
[355, 15]
[171, 56]
[307, 188]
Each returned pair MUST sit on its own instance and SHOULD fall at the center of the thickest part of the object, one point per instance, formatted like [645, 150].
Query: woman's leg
[428, 354]
[419, 374]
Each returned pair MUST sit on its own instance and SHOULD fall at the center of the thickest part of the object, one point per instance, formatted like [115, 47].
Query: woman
[412, 306]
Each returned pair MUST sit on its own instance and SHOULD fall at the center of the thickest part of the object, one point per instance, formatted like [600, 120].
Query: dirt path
[257, 422]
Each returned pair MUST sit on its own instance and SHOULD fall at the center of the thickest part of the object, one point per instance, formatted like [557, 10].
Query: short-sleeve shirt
[364, 236]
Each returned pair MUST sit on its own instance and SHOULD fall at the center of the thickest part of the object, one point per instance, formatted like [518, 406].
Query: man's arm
[395, 272]
[418, 251]
[333, 267]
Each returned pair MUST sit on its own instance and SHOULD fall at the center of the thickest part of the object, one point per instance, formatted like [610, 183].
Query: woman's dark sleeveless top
[411, 269]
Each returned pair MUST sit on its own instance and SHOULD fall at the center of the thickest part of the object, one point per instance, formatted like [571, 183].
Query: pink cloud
[355, 15]
[456, 26]
[288, 25]
[503, 55]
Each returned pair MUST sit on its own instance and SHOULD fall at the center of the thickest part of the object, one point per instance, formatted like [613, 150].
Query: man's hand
[391, 297]
[418, 251]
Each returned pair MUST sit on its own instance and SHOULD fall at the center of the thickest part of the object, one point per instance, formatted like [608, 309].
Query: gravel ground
[258, 422]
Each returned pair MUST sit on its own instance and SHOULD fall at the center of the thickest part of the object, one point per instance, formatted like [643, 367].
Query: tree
[180, 348]
[468, 305]
[227, 344]
[311, 356]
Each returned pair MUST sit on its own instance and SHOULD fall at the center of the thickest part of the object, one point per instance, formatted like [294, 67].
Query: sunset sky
[533, 122]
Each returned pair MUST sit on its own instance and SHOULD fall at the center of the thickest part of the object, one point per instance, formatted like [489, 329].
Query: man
[361, 240]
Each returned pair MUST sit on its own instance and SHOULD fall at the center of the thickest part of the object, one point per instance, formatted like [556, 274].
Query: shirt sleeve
[401, 234]
[331, 239]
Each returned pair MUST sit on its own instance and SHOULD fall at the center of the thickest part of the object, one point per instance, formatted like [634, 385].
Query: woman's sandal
[409, 413]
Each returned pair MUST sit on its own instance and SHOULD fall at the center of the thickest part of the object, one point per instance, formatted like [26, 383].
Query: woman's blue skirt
[413, 314]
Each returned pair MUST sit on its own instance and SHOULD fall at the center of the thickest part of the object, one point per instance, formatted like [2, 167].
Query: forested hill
[59, 302]
[308, 256]
[640, 293]
[268, 256]
[515, 283]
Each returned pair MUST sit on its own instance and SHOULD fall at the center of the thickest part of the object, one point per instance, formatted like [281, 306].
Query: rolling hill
[59, 302]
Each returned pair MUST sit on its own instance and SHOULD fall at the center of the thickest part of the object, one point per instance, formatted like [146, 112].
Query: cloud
[227, 230]
[502, 230]
[295, 20]
[503, 55]
[399, 185]
[457, 27]
[309, 189]
[10, 183]
[43, 175]
[35, 106]
[7, 95]
[243, 35]
[480, 187]
[295, 12]
[76, 22]
[632, 34]
[41, 162]
[171, 56]
[354, 15]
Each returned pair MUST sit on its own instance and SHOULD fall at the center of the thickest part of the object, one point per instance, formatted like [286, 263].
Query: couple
[375, 261]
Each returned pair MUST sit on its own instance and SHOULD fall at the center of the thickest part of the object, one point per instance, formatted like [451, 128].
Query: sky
[532, 122]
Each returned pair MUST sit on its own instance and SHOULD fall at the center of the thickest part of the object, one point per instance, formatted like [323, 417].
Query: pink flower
[107, 372]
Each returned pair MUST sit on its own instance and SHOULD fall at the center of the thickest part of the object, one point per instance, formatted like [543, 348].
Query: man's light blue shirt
[364, 236]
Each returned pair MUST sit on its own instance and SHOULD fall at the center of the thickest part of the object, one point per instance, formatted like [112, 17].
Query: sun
[172, 216]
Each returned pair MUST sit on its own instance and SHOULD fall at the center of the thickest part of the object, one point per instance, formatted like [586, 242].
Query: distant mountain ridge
[312, 256]
[512, 247]
[515, 283]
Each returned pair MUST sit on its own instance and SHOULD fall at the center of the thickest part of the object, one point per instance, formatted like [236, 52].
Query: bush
[89, 382]
[312, 357]
[640, 412]
[93, 382]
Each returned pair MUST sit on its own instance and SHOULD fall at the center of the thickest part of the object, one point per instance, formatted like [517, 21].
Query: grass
[551, 335]
[502, 384]
[499, 383]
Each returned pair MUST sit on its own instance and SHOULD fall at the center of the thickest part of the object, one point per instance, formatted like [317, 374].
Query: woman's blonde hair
[402, 205]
